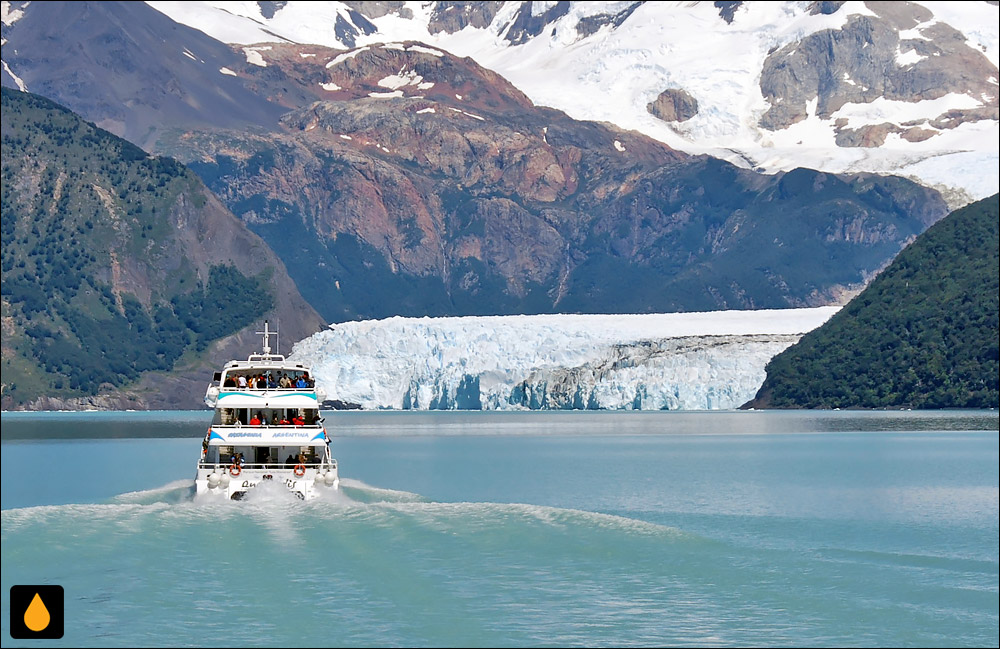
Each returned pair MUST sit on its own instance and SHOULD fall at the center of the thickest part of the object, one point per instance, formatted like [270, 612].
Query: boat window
[309, 417]
[235, 417]
[266, 378]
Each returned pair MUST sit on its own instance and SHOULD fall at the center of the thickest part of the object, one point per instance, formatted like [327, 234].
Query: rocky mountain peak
[451, 17]
[674, 105]
[896, 52]
[886, 87]
[412, 69]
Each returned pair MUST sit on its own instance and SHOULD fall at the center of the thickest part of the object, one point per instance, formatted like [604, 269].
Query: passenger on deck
[274, 419]
[301, 382]
[241, 381]
[297, 420]
[284, 381]
[229, 382]
[255, 421]
[289, 461]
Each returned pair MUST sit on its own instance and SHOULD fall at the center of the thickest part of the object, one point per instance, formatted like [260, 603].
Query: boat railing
[268, 466]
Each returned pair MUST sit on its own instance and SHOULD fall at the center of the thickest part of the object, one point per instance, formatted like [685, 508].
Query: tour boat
[266, 428]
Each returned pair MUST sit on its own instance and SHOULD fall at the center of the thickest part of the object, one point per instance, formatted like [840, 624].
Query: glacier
[673, 361]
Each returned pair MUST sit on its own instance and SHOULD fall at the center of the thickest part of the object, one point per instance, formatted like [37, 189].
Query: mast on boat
[266, 340]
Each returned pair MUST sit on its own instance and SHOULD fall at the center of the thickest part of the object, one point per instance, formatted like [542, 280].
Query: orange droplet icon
[37, 616]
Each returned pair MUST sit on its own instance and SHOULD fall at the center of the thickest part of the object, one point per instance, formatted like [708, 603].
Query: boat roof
[265, 362]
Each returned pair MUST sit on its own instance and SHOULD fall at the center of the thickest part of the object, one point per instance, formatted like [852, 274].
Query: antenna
[267, 333]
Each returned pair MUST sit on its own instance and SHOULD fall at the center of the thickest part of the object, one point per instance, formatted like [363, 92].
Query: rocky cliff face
[437, 182]
[895, 53]
[128, 69]
[451, 17]
[898, 87]
[674, 105]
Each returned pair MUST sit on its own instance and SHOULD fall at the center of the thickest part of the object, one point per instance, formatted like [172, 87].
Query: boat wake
[173, 492]
[359, 492]
[396, 548]
[274, 507]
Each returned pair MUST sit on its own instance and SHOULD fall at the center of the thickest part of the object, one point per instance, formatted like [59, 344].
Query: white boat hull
[225, 484]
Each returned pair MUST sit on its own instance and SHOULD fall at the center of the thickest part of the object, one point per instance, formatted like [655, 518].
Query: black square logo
[36, 612]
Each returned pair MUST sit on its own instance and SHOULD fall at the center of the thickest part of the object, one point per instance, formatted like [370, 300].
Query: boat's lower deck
[233, 482]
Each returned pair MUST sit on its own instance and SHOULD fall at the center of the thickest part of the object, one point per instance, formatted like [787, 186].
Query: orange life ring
[235, 470]
[300, 470]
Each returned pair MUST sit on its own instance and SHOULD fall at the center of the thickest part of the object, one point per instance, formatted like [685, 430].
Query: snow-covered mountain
[688, 361]
[400, 179]
[903, 88]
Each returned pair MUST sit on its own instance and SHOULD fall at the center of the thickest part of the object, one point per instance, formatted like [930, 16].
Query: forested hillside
[924, 334]
[107, 267]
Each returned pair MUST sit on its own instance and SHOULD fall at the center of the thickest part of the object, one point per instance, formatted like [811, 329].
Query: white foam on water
[385, 495]
[144, 495]
[285, 516]
[277, 509]
[14, 519]
[270, 492]
[488, 514]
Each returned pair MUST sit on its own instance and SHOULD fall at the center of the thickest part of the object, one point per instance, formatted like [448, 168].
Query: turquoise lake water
[867, 529]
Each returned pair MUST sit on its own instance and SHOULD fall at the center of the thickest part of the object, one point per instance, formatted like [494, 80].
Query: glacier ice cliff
[675, 361]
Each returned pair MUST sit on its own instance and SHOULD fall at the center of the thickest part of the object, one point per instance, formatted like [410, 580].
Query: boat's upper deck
[268, 383]
[264, 372]
[264, 380]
